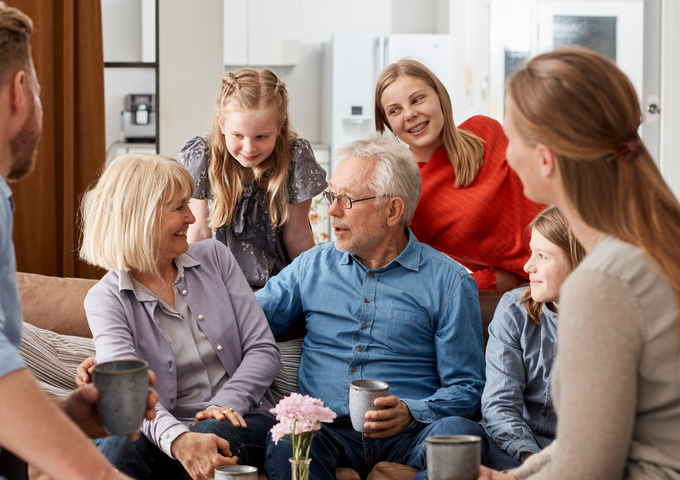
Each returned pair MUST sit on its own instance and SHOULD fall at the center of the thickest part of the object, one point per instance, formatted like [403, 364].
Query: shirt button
[184, 292]
[363, 327]
[544, 413]
[500, 444]
[371, 274]
[200, 317]
[421, 417]
[219, 348]
[181, 276]
[358, 349]
[165, 435]
[354, 369]
[367, 300]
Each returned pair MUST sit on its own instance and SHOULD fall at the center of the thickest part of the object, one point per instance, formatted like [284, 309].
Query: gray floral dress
[256, 244]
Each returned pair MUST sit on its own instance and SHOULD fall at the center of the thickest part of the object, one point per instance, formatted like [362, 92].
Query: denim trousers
[334, 446]
[143, 460]
[492, 455]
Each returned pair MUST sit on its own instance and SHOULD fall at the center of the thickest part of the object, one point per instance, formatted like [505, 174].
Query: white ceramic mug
[236, 472]
[362, 395]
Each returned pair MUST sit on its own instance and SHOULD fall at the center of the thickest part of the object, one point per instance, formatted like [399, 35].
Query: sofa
[57, 338]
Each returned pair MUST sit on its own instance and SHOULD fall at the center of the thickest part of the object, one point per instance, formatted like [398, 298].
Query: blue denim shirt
[414, 323]
[10, 302]
[517, 404]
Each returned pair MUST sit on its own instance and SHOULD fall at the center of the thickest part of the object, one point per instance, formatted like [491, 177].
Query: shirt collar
[6, 192]
[181, 262]
[408, 258]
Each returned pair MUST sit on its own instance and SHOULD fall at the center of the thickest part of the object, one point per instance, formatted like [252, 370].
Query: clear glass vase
[299, 469]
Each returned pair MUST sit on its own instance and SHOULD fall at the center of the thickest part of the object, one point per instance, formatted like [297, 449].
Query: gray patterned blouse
[256, 244]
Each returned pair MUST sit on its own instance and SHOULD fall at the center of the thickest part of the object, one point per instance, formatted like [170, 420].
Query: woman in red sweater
[472, 206]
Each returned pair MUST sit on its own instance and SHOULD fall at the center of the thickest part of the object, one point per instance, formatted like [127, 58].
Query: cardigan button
[219, 348]
[200, 317]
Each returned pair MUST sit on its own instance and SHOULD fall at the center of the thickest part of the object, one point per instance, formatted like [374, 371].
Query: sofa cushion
[53, 358]
[54, 303]
[286, 380]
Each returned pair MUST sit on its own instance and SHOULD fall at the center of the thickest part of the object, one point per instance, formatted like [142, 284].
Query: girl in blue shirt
[518, 415]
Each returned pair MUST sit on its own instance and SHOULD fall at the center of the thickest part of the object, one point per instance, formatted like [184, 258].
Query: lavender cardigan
[231, 318]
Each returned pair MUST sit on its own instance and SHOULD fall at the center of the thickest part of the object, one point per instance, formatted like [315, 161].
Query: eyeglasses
[344, 201]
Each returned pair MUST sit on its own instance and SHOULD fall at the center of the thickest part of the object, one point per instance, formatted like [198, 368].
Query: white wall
[190, 37]
[670, 94]
[122, 30]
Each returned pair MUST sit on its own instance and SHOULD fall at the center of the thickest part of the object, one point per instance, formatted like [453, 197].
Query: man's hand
[393, 419]
[84, 371]
[488, 474]
[81, 407]
[201, 453]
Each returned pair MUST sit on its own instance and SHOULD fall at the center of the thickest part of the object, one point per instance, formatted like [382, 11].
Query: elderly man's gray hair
[396, 174]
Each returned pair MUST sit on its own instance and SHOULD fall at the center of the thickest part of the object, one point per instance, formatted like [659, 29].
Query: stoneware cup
[362, 394]
[123, 390]
[236, 472]
[453, 457]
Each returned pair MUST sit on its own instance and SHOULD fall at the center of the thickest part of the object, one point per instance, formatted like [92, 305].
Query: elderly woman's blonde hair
[121, 216]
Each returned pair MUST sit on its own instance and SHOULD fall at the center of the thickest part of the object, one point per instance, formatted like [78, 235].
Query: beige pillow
[55, 303]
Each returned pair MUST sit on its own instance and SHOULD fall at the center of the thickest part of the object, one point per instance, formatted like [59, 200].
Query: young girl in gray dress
[255, 179]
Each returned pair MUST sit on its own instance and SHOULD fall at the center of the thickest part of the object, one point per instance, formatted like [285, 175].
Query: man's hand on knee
[393, 419]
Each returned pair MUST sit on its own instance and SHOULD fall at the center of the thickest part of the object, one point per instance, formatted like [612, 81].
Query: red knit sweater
[482, 225]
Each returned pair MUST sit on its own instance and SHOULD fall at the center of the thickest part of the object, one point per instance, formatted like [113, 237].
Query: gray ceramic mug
[453, 457]
[236, 472]
[362, 394]
[123, 391]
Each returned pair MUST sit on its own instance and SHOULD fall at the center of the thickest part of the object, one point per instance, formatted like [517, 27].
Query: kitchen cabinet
[261, 32]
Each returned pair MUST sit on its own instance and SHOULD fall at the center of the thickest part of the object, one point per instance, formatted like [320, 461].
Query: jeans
[143, 460]
[334, 446]
[492, 455]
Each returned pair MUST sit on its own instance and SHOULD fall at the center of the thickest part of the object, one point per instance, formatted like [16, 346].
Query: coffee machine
[139, 118]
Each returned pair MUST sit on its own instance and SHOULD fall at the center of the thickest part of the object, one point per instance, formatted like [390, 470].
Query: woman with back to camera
[472, 207]
[572, 119]
[255, 179]
[185, 309]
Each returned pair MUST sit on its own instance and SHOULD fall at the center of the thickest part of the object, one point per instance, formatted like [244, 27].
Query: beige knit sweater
[616, 383]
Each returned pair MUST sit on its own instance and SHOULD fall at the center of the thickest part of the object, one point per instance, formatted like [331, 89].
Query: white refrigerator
[351, 67]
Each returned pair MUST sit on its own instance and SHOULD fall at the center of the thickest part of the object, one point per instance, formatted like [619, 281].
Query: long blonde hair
[585, 110]
[464, 149]
[554, 227]
[250, 89]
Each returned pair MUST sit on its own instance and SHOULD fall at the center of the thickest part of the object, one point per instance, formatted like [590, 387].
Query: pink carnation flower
[298, 414]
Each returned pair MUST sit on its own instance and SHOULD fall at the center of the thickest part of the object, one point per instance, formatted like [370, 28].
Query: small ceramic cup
[236, 472]
[362, 395]
[123, 391]
[453, 457]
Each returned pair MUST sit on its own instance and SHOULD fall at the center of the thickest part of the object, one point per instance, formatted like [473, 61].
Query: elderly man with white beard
[378, 305]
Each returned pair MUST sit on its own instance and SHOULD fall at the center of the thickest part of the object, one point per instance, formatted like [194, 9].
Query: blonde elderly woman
[185, 309]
